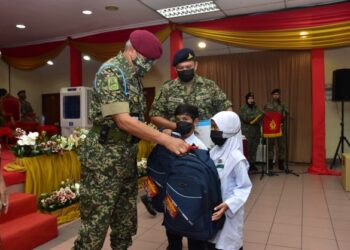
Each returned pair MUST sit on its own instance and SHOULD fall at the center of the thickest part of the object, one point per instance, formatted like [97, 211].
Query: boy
[187, 117]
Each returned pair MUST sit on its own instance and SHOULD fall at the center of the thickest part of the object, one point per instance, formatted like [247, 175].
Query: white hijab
[232, 151]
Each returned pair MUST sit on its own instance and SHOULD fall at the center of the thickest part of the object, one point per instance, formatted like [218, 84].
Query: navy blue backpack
[188, 189]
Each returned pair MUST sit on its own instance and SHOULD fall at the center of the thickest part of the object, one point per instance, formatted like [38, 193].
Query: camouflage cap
[146, 43]
[183, 55]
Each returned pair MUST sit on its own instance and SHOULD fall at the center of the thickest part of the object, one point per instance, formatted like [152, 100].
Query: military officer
[108, 154]
[251, 116]
[275, 105]
[188, 88]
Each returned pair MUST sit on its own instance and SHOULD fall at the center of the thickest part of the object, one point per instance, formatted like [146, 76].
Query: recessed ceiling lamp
[86, 58]
[87, 12]
[20, 26]
[49, 62]
[202, 45]
[189, 9]
[111, 8]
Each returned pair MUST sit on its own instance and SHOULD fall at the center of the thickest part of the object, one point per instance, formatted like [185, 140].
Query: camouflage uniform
[275, 106]
[251, 128]
[205, 95]
[109, 174]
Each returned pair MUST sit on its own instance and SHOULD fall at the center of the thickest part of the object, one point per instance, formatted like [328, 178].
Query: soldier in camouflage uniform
[188, 88]
[108, 155]
[251, 117]
[275, 105]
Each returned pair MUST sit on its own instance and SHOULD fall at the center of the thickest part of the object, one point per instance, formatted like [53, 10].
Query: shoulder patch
[113, 83]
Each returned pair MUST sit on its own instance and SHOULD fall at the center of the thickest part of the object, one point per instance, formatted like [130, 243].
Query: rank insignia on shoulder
[113, 83]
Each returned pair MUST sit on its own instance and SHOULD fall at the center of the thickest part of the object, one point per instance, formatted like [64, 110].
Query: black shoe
[145, 200]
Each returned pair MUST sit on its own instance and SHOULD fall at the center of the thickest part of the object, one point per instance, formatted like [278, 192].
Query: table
[44, 173]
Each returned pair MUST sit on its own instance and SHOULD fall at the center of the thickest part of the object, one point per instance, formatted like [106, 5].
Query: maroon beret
[146, 43]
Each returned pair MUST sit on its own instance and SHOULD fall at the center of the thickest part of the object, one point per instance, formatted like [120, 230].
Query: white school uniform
[193, 139]
[235, 182]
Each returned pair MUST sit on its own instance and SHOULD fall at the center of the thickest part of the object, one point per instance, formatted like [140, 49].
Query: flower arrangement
[65, 196]
[33, 143]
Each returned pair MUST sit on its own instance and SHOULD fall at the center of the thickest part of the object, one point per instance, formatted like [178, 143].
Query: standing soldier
[187, 88]
[275, 105]
[108, 155]
[251, 127]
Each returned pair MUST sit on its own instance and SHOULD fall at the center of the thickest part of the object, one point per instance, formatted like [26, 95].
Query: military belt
[114, 135]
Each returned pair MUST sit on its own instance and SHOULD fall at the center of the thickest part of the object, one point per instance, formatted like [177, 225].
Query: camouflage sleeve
[158, 107]
[220, 101]
[244, 115]
[247, 116]
[110, 91]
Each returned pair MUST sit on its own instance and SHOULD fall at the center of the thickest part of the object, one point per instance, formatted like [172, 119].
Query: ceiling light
[111, 8]
[202, 45]
[86, 58]
[49, 62]
[20, 26]
[87, 12]
[303, 33]
[190, 9]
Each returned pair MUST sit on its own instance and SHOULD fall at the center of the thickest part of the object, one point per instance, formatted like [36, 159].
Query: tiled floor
[283, 212]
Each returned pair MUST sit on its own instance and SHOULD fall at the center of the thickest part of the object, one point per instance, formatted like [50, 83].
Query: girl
[233, 168]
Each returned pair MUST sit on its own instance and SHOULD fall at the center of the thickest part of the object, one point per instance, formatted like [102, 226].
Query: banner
[272, 125]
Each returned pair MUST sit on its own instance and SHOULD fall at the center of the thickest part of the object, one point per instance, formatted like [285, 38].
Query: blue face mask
[216, 137]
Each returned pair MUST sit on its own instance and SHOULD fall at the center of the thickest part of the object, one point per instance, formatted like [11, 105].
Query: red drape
[318, 155]
[32, 50]
[118, 35]
[289, 19]
[76, 73]
[176, 43]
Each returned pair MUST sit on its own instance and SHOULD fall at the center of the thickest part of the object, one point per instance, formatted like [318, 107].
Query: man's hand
[219, 211]
[177, 146]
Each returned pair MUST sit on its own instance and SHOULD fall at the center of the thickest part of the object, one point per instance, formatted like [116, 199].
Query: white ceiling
[50, 20]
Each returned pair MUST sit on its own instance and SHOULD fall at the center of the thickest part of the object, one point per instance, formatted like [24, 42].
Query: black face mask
[183, 127]
[216, 137]
[186, 75]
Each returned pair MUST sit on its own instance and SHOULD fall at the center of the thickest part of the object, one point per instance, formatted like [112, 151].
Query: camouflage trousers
[108, 196]
[253, 142]
[280, 143]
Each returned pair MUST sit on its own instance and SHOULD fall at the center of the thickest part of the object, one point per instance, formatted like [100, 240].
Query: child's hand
[219, 211]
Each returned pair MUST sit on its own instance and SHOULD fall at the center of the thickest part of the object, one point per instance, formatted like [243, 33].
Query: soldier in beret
[187, 88]
[108, 154]
[275, 105]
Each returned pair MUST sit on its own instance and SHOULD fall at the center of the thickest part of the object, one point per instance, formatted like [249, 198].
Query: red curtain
[318, 164]
[289, 19]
